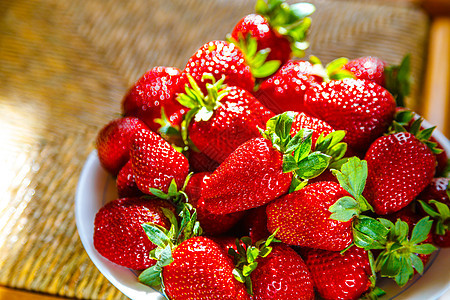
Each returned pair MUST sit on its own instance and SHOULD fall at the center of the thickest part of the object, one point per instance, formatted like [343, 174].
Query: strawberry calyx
[298, 156]
[256, 60]
[408, 121]
[441, 214]
[170, 132]
[334, 70]
[288, 20]
[352, 177]
[201, 106]
[245, 258]
[398, 80]
[167, 240]
[400, 257]
[177, 196]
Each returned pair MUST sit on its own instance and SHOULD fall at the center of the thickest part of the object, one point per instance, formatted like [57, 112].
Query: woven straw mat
[64, 68]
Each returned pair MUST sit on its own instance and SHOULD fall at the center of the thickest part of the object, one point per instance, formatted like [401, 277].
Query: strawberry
[125, 183]
[250, 177]
[368, 68]
[212, 224]
[285, 90]
[400, 167]
[303, 218]
[155, 163]
[321, 215]
[113, 142]
[340, 276]
[189, 266]
[271, 272]
[277, 27]
[282, 275]
[118, 235]
[261, 169]
[362, 108]
[201, 270]
[223, 119]
[221, 59]
[395, 78]
[255, 26]
[154, 91]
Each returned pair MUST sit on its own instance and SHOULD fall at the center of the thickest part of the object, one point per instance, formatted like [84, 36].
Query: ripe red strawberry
[201, 270]
[156, 90]
[282, 274]
[400, 167]
[322, 215]
[285, 90]
[270, 272]
[224, 119]
[261, 169]
[125, 183]
[118, 234]
[339, 276]
[277, 27]
[303, 218]
[221, 58]
[395, 78]
[362, 108]
[258, 27]
[113, 142]
[250, 177]
[369, 68]
[155, 163]
[211, 224]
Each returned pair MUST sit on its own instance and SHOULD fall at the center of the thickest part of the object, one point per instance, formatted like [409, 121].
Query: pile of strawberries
[253, 175]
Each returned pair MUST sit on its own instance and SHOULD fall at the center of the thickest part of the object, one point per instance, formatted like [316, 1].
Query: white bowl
[96, 188]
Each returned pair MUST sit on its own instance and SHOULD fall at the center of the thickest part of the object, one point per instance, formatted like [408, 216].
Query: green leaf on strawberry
[352, 177]
[398, 80]
[255, 59]
[441, 214]
[201, 106]
[245, 258]
[407, 118]
[334, 70]
[399, 258]
[298, 156]
[167, 240]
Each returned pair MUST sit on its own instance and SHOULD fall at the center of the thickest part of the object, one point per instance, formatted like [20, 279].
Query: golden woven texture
[64, 68]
